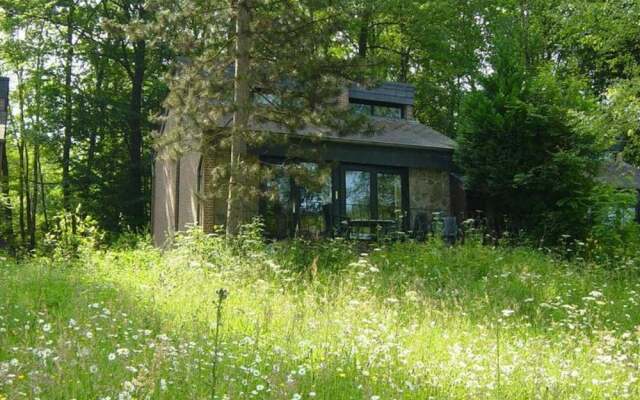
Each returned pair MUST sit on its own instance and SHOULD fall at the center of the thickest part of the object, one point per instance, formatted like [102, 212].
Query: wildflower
[163, 385]
[412, 295]
[296, 396]
[46, 327]
[312, 394]
[111, 356]
[93, 369]
[123, 352]
[507, 312]
[374, 397]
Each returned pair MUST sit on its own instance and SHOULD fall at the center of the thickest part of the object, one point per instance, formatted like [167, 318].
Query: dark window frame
[338, 193]
[373, 171]
[295, 191]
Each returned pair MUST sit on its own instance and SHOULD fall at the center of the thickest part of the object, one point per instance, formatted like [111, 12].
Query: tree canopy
[537, 92]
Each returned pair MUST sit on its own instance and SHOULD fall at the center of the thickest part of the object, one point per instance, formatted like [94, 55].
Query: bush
[72, 235]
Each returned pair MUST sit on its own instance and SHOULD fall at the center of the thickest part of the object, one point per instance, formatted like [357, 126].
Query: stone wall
[429, 193]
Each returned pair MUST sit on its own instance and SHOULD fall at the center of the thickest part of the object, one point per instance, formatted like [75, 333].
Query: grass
[323, 321]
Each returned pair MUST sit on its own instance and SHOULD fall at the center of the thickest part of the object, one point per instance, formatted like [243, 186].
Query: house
[399, 176]
[623, 176]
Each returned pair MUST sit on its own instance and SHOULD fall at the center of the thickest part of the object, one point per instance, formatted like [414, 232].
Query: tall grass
[328, 320]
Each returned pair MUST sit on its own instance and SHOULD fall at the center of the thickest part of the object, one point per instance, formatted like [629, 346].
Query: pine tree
[280, 63]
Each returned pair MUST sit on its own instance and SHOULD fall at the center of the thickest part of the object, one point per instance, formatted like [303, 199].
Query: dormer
[389, 100]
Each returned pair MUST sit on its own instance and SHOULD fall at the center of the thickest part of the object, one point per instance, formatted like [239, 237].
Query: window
[266, 99]
[314, 203]
[277, 205]
[393, 111]
[305, 200]
[358, 194]
[373, 197]
[297, 203]
[389, 196]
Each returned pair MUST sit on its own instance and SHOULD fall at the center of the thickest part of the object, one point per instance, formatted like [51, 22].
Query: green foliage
[518, 148]
[614, 238]
[72, 236]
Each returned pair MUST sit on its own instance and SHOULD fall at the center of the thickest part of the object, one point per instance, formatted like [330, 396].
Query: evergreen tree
[280, 64]
[520, 151]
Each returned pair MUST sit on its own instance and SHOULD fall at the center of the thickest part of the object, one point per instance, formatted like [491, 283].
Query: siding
[164, 202]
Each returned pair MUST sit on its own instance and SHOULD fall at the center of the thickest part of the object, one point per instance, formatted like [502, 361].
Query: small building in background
[396, 178]
[623, 176]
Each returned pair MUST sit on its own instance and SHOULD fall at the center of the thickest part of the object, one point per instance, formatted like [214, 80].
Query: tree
[287, 71]
[520, 151]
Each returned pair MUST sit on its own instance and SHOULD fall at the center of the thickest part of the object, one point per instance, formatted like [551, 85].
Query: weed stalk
[222, 295]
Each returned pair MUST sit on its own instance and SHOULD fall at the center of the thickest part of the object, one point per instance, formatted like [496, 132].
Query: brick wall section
[428, 192]
[207, 205]
[214, 202]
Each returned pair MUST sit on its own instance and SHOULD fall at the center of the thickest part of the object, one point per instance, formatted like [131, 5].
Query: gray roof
[387, 132]
[389, 92]
[621, 175]
[399, 133]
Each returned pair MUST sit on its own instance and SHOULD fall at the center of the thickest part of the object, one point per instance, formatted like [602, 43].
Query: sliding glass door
[373, 194]
[354, 196]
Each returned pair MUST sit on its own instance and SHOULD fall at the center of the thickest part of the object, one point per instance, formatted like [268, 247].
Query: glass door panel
[358, 194]
[389, 196]
[277, 211]
[314, 212]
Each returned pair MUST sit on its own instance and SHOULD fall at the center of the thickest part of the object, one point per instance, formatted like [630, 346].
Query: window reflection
[358, 189]
[387, 112]
[377, 110]
[278, 205]
[389, 196]
[314, 213]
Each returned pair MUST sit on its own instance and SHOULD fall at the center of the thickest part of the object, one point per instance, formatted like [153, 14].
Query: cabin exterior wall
[429, 193]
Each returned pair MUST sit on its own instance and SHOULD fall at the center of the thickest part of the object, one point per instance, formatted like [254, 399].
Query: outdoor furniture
[369, 229]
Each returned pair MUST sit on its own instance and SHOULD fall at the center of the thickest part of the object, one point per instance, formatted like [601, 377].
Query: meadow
[325, 320]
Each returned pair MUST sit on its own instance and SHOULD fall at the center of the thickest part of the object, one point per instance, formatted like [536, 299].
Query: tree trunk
[136, 201]
[27, 189]
[21, 190]
[43, 196]
[34, 206]
[6, 232]
[94, 132]
[68, 110]
[242, 103]
[363, 35]
[524, 15]
[22, 152]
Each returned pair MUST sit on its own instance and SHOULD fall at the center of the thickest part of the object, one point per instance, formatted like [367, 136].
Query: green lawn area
[402, 321]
